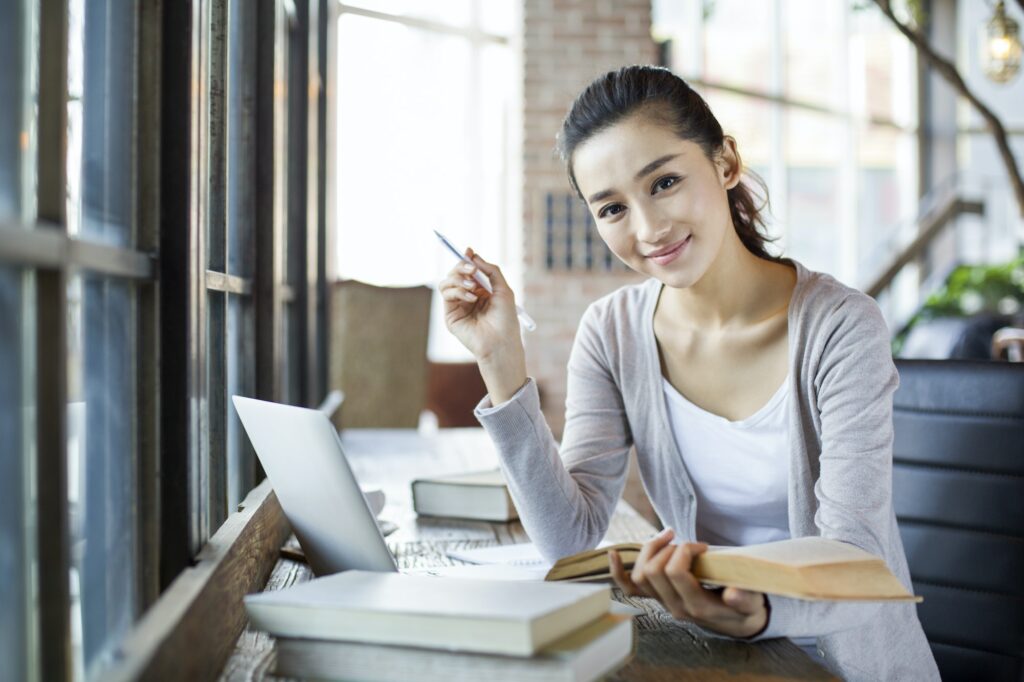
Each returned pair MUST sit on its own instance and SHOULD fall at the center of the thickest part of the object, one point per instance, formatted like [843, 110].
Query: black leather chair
[958, 490]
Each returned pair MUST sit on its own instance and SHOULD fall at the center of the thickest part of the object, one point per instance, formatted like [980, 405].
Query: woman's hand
[486, 324]
[662, 571]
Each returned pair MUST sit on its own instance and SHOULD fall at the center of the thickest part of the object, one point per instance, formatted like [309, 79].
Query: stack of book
[392, 626]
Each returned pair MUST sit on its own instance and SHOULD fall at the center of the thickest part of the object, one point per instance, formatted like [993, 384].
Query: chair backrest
[958, 491]
[378, 353]
[453, 390]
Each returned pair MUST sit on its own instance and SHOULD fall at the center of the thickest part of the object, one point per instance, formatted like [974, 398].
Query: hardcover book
[589, 653]
[478, 495]
[459, 614]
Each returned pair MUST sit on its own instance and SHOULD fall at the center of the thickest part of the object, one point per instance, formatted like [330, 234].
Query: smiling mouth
[669, 251]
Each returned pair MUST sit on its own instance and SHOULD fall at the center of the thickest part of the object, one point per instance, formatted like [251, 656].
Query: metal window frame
[178, 289]
[53, 544]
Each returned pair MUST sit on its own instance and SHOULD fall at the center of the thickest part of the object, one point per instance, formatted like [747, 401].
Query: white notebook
[513, 618]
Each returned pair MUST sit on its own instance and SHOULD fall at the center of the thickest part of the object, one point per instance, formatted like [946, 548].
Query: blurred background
[217, 197]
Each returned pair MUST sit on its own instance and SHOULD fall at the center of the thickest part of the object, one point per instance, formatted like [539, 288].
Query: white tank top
[740, 473]
[739, 469]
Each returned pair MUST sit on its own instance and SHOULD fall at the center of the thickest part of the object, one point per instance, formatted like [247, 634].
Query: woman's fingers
[492, 271]
[650, 548]
[620, 576]
[654, 572]
[697, 601]
[456, 289]
[744, 601]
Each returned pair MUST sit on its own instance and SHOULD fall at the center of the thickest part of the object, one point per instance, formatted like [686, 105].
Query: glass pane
[241, 110]
[498, 16]
[813, 153]
[17, 121]
[886, 194]
[291, 373]
[814, 46]
[402, 147]
[883, 69]
[17, 535]
[746, 119]
[738, 48]
[101, 466]
[453, 12]
[101, 115]
[241, 380]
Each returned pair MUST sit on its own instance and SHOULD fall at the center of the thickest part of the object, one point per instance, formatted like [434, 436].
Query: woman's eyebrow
[646, 170]
[654, 165]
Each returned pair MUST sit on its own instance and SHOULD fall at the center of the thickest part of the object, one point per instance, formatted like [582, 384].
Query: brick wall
[566, 43]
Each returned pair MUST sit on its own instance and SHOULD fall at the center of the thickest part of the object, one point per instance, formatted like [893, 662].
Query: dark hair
[665, 98]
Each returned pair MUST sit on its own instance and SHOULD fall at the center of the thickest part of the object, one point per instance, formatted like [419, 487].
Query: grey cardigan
[840, 472]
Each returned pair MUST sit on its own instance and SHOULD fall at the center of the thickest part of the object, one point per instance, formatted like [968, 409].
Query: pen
[525, 320]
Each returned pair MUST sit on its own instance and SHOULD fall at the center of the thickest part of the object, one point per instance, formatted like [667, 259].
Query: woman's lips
[665, 257]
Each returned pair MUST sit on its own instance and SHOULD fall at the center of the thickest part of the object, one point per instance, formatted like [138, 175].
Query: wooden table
[389, 459]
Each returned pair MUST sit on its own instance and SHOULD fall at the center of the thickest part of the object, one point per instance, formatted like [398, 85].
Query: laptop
[300, 450]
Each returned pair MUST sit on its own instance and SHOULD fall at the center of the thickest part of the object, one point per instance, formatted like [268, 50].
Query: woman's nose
[652, 226]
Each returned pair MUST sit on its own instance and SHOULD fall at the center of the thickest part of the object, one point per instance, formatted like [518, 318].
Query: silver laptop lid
[301, 453]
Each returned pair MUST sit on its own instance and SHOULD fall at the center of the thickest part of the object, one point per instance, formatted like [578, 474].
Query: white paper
[524, 555]
[484, 572]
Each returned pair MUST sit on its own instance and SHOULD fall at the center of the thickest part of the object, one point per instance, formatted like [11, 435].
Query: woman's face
[658, 202]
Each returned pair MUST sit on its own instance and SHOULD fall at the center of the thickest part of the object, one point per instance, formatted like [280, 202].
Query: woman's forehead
[612, 157]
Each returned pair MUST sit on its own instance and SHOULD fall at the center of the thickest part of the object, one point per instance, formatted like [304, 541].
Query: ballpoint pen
[524, 319]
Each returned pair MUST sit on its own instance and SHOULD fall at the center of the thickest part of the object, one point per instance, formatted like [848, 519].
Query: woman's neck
[738, 290]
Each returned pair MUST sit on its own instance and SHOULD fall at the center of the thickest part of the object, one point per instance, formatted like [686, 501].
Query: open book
[809, 568]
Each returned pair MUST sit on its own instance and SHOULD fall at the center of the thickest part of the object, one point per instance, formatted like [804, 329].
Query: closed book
[512, 618]
[588, 653]
[477, 495]
[811, 568]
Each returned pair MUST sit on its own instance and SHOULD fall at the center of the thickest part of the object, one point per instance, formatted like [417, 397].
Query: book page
[492, 477]
[801, 552]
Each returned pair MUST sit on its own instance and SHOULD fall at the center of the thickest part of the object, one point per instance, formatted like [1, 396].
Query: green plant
[973, 289]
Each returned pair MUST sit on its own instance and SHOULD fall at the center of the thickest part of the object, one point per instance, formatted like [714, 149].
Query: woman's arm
[855, 382]
[564, 497]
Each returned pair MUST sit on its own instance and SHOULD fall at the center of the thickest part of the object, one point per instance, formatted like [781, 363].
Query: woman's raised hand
[486, 324]
[662, 571]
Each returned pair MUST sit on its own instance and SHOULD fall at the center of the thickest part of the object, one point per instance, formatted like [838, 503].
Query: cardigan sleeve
[854, 384]
[565, 496]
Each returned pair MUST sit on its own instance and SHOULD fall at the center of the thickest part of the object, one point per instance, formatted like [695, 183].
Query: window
[820, 100]
[424, 120]
[139, 291]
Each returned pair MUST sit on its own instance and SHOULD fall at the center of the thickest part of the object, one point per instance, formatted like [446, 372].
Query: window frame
[165, 261]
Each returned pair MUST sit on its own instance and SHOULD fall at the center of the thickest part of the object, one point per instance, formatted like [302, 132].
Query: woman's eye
[610, 210]
[664, 183]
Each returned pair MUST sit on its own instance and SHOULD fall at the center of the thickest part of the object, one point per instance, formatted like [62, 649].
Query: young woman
[758, 394]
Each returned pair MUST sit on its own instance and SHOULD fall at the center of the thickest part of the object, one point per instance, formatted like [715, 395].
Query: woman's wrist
[503, 374]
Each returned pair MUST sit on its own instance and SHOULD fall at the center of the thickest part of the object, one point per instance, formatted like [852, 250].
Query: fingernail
[469, 284]
[472, 296]
[466, 267]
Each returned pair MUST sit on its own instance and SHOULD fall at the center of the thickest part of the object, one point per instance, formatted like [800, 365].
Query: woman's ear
[728, 163]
